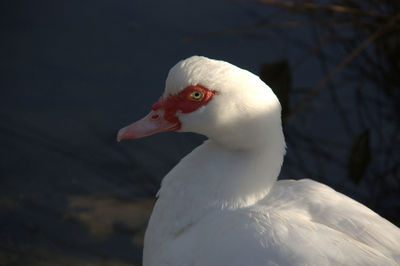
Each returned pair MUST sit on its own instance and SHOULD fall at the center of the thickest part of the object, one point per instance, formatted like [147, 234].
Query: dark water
[72, 74]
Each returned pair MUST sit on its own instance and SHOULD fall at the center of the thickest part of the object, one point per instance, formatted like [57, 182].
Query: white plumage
[222, 204]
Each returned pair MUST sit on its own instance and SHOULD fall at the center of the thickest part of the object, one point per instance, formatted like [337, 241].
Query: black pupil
[196, 94]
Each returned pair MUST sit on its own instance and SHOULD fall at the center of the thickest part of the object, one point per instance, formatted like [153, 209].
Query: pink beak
[151, 124]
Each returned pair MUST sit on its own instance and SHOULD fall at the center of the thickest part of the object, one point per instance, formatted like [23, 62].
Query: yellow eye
[196, 96]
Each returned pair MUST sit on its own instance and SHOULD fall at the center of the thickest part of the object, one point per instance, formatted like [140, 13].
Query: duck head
[229, 105]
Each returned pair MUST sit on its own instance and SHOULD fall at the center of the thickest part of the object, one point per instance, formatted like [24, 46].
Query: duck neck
[211, 178]
[214, 177]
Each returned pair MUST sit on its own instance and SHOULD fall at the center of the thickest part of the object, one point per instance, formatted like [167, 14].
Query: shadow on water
[92, 231]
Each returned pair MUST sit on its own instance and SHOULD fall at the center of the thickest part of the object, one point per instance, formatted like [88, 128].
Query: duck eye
[196, 95]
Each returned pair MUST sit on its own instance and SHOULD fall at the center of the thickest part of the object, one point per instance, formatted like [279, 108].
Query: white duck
[222, 204]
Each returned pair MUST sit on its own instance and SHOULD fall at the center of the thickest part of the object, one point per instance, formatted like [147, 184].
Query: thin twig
[332, 8]
[362, 46]
[315, 50]
[249, 28]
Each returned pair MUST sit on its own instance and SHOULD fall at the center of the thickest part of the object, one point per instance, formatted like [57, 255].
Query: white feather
[222, 205]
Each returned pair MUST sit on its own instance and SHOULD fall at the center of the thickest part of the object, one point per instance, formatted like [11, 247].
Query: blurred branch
[363, 45]
[279, 24]
[331, 8]
[313, 51]
[246, 29]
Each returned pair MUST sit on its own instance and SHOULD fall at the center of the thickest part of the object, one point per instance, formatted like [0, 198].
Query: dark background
[74, 72]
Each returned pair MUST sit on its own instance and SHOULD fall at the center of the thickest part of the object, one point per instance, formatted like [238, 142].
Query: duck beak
[151, 124]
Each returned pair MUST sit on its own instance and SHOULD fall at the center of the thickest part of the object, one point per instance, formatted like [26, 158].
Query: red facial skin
[188, 100]
[184, 102]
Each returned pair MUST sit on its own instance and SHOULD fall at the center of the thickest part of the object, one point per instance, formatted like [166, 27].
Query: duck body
[296, 223]
[222, 203]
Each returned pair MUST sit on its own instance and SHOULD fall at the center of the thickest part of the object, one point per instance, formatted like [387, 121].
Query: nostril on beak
[155, 117]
